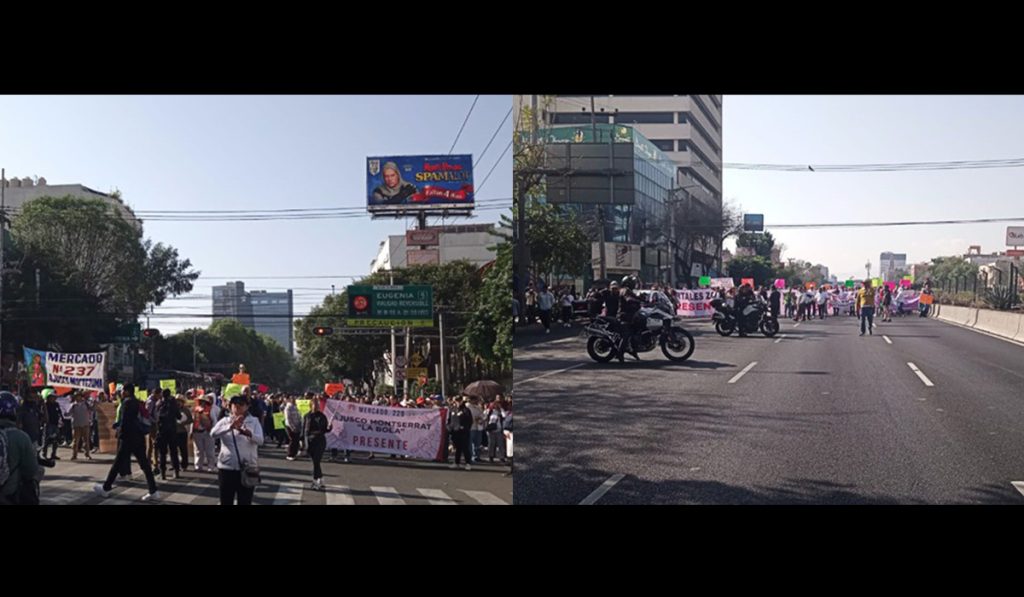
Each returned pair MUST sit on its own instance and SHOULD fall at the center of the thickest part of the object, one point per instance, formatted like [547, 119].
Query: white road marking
[436, 497]
[923, 377]
[742, 373]
[339, 495]
[288, 494]
[603, 489]
[517, 382]
[1019, 485]
[796, 325]
[387, 496]
[484, 497]
[780, 338]
[886, 338]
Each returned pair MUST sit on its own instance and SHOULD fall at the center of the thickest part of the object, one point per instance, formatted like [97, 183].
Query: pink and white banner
[415, 432]
[910, 300]
[696, 303]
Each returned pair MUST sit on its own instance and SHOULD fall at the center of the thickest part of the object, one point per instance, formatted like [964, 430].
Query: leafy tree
[757, 267]
[488, 335]
[95, 273]
[761, 242]
[558, 242]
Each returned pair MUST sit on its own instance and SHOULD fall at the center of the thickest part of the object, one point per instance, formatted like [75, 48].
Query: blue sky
[876, 129]
[251, 152]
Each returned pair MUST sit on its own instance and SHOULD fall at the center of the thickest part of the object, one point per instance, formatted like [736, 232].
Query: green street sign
[391, 306]
[124, 334]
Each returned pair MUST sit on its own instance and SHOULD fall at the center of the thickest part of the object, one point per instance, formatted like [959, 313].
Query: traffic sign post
[391, 306]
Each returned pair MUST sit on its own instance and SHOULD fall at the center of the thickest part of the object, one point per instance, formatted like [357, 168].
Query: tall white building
[471, 242]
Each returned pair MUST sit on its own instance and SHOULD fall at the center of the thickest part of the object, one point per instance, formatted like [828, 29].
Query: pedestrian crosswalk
[203, 491]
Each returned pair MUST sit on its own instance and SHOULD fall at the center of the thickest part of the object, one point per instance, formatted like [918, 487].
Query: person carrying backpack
[132, 430]
[18, 461]
[167, 433]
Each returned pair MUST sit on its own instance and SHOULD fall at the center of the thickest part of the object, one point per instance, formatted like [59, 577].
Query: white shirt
[227, 459]
[567, 301]
[822, 298]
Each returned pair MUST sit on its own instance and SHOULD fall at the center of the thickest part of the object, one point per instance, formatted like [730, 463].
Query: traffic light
[323, 331]
[150, 332]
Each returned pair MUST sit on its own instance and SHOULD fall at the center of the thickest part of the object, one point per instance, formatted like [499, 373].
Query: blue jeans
[867, 318]
[476, 437]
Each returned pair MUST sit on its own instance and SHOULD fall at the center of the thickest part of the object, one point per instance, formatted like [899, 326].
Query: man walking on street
[545, 301]
[167, 434]
[866, 305]
[54, 420]
[81, 418]
[293, 426]
[131, 435]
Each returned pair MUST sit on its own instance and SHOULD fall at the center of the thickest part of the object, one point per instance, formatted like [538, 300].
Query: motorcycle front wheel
[677, 344]
[770, 327]
[600, 349]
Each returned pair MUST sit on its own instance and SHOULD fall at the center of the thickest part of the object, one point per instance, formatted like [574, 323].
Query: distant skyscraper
[264, 312]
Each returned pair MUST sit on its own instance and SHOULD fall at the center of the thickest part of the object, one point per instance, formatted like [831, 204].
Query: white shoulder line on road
[742, 373]
[923, 377]
[1019, 485]
[515, 382]
[1014, 342]
[603, 489]
[886, 338]
[387, 496]
[484, 497]
[780, 338]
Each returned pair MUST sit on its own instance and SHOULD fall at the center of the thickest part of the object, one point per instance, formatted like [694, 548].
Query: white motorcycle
[605, 333]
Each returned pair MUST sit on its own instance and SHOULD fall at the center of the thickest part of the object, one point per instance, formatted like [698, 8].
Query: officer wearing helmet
[21, 466]
[629, 315]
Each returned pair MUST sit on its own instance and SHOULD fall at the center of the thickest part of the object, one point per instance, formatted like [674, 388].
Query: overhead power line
[890, 167]
[908, 223]
[463, 127]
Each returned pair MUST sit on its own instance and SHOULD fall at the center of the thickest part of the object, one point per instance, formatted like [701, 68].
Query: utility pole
[603, 260]
[394, 351]
[440, 322]
[522, 247]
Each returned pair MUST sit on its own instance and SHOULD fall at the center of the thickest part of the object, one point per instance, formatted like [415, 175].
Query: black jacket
[129, 429]
[611, 302]
[465, 419]
[167, 417]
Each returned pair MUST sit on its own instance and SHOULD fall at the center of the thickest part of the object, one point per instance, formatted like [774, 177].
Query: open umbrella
[483, 389]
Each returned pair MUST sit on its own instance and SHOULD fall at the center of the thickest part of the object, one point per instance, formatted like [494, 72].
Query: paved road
[824, 416]
[382, 481]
